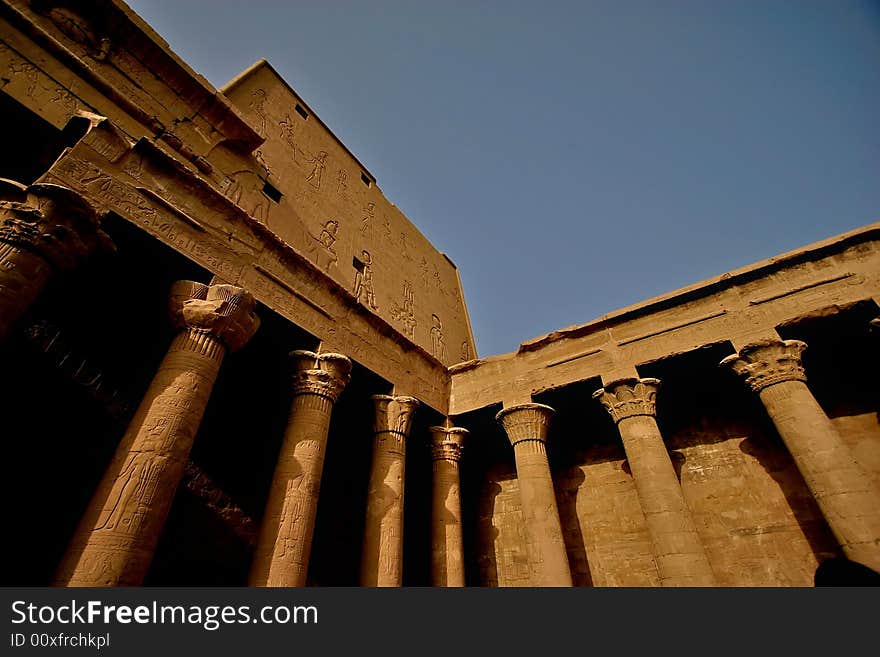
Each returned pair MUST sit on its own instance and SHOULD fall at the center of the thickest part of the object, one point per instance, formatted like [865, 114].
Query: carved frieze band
[325, 374]
[768, 362]
[526, 422]
[447, 443]
[629, 397]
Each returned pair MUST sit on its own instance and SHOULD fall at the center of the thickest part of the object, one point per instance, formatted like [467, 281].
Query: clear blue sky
[575, 158]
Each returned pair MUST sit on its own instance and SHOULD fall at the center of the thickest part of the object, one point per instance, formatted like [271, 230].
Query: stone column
[282, 554]
[116, 538]
[526, 426]
[381, 562]
[679, 553]
[847, 496]
[447, 547]
[43, 229]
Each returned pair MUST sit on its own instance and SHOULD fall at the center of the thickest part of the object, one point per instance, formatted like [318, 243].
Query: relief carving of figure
[317, 169]
[322, 246]
[363, 281]
[367, 221]
[465, 352]
[257, 105]
[341, 182]
[287, 134]
[405, 314]
[437, 346]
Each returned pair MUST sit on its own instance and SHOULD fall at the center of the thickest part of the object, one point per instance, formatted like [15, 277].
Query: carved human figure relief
[288, 135]
[363, 280]
[367, 221]
[465, 352]
[437, 346]
[322, 246]
[318, 166]
[405, 313]
[341, 182]
[257, 106]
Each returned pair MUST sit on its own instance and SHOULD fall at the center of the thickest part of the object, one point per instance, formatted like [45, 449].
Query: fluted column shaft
[285, 541]
[117, 536]
[43, 228]
[846, 495]
[447, 546]
[526, 426]
[678, 551]
[382, 556]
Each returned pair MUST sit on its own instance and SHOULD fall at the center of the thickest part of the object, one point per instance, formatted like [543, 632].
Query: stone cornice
[629, 397]
[768, 362]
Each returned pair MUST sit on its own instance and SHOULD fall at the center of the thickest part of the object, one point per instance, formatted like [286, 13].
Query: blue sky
[576, 158]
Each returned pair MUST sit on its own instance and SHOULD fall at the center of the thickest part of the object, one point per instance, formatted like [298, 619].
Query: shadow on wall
[840, 571]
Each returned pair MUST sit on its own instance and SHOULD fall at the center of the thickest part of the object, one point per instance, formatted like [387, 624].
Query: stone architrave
[447, 547]
[382, 556]
[678, 551]
[285, 541]
[117, 536]
[846, 495]
[43, 229]
[526, 426]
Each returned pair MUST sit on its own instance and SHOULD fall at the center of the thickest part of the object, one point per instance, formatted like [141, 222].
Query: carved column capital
[629, 397]
[320, 374]
[394, 413]
[447, 443]
[226, 312]
[51, 221]
[767, 362]
[526, 422]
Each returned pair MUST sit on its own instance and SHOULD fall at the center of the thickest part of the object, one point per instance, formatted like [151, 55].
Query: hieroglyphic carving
[464, 353]
[322, 249]
[367, 220]
[258, 106]
[383, 531]
[341, 183]
[128, 202]
[363, 280]
[317, 172]
[245, 189]
[288, 135]
[437, 346]
[424, 272]
[122, 523]
[405, 313]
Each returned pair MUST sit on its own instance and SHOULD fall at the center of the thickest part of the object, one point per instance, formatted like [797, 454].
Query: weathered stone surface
[382, 558]
[115, 541]
[284, 545]
[43, 229]
[679, 554]
[848, 497]
[526, 426]
[447, 548]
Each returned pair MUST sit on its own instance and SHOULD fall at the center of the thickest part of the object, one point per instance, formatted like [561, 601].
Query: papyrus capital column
[282, 554]
[43, 229]
[382, 557]
[845, 493]
[447, 547]
[115, 540]
[526, 426]
[679, 553]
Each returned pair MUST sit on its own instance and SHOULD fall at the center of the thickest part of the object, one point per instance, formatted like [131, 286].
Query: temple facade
[232, 361]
